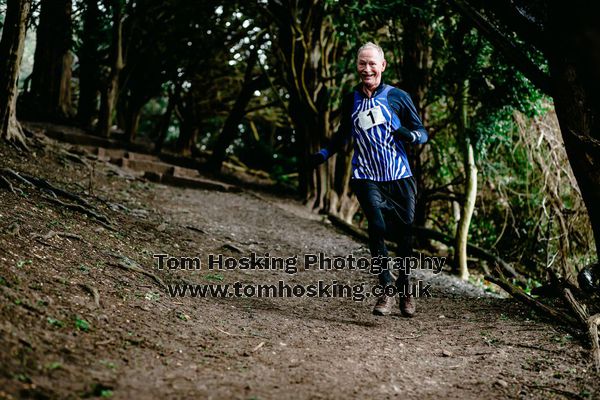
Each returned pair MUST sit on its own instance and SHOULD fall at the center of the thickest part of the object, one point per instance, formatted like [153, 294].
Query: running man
[381, 119]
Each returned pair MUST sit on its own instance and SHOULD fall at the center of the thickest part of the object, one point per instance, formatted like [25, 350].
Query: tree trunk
[129, 108]
[109, 93]
[229, 131]
[341, 199]
[580, 127]
[11, 53]
[415, 70]
[51, 77]
[575, 72]
[165, 121]
[462, 232]
[455, 205]
[132, 121]
[188, 124]
[417, 61]
[307, 48]
[89, 60]
[187, 138]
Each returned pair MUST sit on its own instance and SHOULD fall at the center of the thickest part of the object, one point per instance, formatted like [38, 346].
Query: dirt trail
[142, 343]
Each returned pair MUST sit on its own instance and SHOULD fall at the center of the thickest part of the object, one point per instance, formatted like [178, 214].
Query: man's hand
[408, 136]
[404, 134]
[315, 159]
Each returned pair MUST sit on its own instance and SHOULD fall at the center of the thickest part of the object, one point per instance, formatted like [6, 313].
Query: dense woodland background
[259, 84]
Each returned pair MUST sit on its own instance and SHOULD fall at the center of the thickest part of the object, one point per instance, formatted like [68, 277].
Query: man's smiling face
[370, 65]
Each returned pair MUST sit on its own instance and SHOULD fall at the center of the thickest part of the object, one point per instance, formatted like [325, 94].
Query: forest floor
[84, 313]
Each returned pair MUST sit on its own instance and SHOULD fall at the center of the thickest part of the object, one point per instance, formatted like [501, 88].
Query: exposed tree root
[51, 234]
[9, 185]
[134, 268]
[16, 175]
[565, 393]
[582, 321]
[519, 294]
[128, 264]
[13, 229]
[94, 292]
[51, 194]
[78, 207]
[15, 135]
[578, 309]
[43, 184]
[593, 323]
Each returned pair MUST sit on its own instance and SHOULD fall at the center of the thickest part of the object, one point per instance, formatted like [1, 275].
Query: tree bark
[455, 205]
[417, 61]
[307, 49]
[129, 108]
[11, 53]
[415, 71]
[132, 120]
[188, 123]
[228, 133]
[108, 96]
[51, 77]
[575, 72]
[188, 133]
[89, 60]
[165, 121]
[341, 199]
[468, 206]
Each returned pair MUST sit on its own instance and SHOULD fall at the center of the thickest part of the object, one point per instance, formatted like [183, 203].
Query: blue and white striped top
[378, 154]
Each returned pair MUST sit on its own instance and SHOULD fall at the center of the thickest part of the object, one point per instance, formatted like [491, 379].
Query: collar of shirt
[359, 89]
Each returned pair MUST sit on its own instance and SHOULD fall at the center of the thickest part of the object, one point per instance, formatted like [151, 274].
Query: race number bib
[370, 118]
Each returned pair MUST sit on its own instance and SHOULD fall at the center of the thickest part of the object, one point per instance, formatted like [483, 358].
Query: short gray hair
[371, 45]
